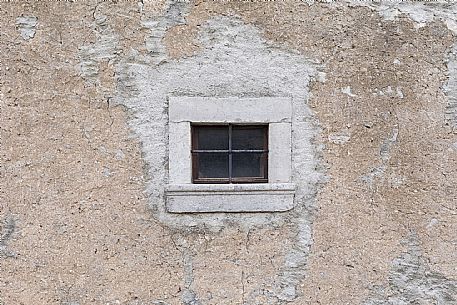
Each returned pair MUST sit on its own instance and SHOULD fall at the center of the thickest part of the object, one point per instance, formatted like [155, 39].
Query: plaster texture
[236, 62]
[216, 74]
[412, 281]
[84, 90]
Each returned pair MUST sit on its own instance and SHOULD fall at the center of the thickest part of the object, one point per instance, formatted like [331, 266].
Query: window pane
[248, 137]
[211, 137]
[248, 165]
[212, 165]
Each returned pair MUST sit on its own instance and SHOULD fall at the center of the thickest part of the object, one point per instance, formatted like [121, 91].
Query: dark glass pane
[248, 165]
[211, 137]
[248, 137]
[212, 165]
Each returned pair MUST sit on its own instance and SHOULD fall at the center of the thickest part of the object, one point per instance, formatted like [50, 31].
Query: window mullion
[230, 153]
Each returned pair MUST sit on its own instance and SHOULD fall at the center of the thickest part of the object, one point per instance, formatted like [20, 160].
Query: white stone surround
[204, 198]
[185, 197]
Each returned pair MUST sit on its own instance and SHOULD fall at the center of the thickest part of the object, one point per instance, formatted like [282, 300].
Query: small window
[230, 153]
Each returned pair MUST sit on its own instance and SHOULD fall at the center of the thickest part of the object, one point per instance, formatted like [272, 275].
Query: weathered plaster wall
[83, 152]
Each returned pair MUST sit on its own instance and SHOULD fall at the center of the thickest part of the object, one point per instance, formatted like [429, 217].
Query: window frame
[183, 196]
[230, 180]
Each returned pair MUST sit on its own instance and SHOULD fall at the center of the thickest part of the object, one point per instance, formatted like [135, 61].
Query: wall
[83, 152]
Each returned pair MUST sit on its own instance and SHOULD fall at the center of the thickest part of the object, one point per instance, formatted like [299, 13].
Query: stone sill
[234, 198]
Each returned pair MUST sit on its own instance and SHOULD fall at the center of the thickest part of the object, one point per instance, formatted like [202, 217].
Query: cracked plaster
[411, 281]
[249, 76]
[235, 62]
[354, 234]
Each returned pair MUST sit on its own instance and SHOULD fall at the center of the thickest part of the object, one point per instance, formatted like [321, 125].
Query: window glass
[229, 153]
[248, 137]
[213, 165]
[212, 137]
[247, 165]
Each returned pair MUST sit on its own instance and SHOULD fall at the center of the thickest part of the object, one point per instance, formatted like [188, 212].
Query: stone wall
[84, 89]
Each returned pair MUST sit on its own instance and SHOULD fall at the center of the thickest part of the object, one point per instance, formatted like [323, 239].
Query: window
[230, 153]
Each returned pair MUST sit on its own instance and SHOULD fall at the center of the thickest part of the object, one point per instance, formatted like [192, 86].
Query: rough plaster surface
[217, 73]
[412, 282]
[421, 14]
[81, 194]
[235, 62]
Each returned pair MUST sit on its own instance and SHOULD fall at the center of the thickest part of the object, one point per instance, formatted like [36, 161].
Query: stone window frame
[182, 196]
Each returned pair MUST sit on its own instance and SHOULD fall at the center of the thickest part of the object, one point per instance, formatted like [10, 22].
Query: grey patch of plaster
[340, 137]
[386, 146]
[174, 15]
[420, 12]
[159, 303]
[105, 47]
[119, 155]
[450, 89]
[294, 268]
[189, 297]
[157, 26]
[106, 172]
[384, 154]
[27, 26]
[389, 92]
[347, 91]
[411, 281]
[8, 229]
[235, 61]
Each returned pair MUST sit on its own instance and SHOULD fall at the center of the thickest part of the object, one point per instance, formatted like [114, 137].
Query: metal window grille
[229, 153]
